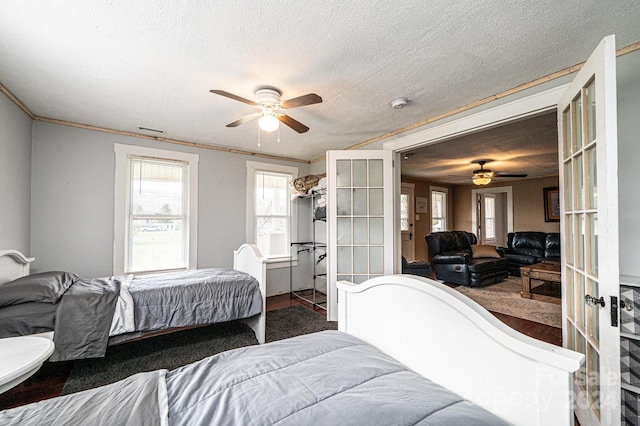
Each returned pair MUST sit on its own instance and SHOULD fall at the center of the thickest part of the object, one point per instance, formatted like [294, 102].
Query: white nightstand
[20, 357]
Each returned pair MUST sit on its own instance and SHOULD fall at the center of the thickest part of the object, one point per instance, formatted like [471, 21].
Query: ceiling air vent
[149, 129]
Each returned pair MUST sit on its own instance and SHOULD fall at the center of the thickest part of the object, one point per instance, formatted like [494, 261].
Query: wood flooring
[49, 381]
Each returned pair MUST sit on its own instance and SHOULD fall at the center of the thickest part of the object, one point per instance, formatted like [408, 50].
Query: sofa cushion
[479, 266]
[522, 258]
[530, 243]
[552, 245]
[479, 251]
[451, 257]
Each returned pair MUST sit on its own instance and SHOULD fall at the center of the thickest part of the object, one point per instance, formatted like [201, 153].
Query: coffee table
[544, 271]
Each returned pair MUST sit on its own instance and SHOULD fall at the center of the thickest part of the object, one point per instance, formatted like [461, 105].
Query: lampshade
[481, 178]
[269, 122]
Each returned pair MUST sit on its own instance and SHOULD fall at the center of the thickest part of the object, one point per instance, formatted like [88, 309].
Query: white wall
[15, 176]
[72, 202]
[628, 76]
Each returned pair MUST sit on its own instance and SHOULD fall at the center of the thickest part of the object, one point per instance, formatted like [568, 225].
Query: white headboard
[13, 264]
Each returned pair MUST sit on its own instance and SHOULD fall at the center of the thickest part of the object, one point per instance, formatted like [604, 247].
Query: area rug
[504, 298]
[184, 347]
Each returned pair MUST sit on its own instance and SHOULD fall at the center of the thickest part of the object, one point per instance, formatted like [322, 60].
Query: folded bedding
[324, 378]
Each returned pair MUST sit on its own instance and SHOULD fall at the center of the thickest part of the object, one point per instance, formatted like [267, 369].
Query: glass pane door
[360, 212]
[588, 151]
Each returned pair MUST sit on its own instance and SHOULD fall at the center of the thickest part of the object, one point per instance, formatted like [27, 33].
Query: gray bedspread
[137, 400]
[327, 378]
[194, 297]
[83, 319]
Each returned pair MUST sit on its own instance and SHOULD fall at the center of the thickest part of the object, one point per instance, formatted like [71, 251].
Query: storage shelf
[317, 252]
[629, 336]
[314, 297]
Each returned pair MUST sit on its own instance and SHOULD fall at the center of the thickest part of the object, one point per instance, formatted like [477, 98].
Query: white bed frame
[247, 258]
[450, 339]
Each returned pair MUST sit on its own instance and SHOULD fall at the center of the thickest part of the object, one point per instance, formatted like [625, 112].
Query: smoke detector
[399, 103]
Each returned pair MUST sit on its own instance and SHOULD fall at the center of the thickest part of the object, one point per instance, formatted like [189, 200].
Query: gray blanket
[194, 297]
[327, 378]
[83, 318]
[137, 400]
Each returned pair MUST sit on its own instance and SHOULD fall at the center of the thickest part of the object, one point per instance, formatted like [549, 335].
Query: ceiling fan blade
[232, 96]
[243, 120]
[308, 99]
[294, 124]
[511, 175]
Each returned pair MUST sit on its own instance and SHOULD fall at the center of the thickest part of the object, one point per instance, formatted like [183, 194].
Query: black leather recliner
[452, 262]
[529, 247]
[416, 267]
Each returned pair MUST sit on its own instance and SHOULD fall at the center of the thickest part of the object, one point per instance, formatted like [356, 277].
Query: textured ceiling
[151, 63]
[525, 147]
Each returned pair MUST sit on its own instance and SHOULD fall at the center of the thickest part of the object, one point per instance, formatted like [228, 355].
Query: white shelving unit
[316, 248]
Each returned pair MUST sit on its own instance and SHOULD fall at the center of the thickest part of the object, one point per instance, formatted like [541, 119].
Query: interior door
[407, 217]
[361, 218]
[587, 120]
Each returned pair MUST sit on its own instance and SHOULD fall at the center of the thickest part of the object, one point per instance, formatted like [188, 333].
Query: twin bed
[83, 316]
[409, 350]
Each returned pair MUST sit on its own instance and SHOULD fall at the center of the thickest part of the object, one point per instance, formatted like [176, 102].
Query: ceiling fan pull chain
[278, 134]
[259, 132]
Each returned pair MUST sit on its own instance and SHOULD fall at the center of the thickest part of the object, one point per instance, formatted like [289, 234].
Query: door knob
[591, 301]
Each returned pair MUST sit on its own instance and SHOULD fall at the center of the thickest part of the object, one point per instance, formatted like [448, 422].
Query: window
[438, 209]
[155, 210]
[270, 222]
[404, 212]
[490, 217]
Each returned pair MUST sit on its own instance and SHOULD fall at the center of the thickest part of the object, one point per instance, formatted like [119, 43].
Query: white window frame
[489, 198]
[433, 189]
[252, 168]
[122, 200]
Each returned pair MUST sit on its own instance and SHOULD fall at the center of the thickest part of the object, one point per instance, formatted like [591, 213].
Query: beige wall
[422, 224]
[528, 205]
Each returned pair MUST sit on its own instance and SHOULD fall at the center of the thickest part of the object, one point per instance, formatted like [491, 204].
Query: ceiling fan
[272, 109]
[484, 176]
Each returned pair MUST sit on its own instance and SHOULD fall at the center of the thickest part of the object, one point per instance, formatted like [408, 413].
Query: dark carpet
[184, 347]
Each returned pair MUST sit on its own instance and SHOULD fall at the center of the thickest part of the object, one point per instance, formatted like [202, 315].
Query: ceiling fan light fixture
[269, 122]
[483, 178]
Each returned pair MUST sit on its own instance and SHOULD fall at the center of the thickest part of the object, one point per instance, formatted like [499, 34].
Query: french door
[361, 218]
[587, 120]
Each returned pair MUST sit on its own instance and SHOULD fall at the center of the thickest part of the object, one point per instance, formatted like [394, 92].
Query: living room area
[515, 216]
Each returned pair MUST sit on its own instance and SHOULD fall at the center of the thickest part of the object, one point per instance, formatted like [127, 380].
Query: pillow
[46, 287]
[478, 251]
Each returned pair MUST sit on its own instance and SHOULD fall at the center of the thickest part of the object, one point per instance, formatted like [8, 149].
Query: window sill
[281, 262]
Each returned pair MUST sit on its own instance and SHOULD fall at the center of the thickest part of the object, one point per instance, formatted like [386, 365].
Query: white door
[407, 216]
[588, 146]
[361, 218]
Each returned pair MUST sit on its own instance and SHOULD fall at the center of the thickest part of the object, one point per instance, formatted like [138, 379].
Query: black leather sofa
[529, 247]
[452, 261]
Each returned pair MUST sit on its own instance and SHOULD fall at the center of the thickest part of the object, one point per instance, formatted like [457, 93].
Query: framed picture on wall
[422, 205]
[551, 204]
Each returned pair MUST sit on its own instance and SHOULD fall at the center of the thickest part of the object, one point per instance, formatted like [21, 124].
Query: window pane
[489, 207]
[156, 245]
[272, 194]
[438, 211]
[404, 212]
[272, 236]
[157, 187]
